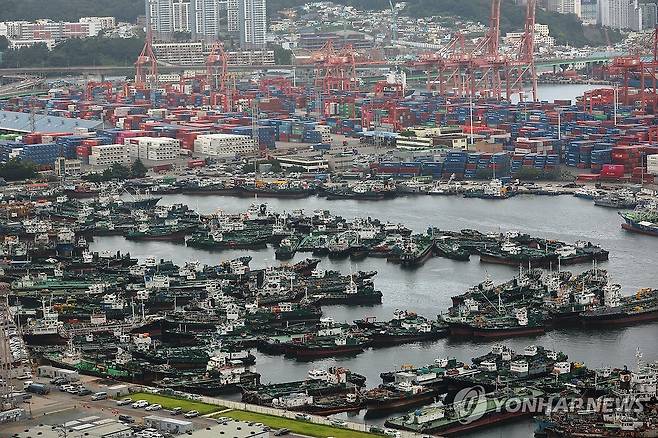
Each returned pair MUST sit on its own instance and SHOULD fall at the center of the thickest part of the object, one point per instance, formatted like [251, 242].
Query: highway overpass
[128, 70]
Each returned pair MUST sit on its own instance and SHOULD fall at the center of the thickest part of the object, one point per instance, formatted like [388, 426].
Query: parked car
[154, 407]
[83, 392]
[99, 396]
[191, 414]
[282, 432]
[126, 418]
[124, 401]
[176, 411]
[140, 404]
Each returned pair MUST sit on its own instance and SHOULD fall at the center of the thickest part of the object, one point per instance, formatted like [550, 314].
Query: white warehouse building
[224, 145]
[153, 148]
[109, 154]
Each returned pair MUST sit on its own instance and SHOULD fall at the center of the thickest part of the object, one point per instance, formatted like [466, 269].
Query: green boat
[228, 240]
[164, 232]
[465, 415]
[287, 249]
[451, 251]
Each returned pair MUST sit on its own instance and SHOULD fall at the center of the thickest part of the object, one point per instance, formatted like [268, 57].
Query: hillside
[124, 10]
[565, 28]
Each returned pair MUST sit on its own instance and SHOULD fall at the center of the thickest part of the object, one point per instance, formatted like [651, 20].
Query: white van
[99, 396]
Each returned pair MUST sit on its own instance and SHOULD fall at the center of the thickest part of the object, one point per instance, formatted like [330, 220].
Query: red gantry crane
[146, 66]
[638, 68]
[522, 69]
[335, 70]
[482, 71]
[217, 77]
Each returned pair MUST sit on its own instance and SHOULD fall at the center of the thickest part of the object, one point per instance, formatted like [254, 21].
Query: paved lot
[59, 407]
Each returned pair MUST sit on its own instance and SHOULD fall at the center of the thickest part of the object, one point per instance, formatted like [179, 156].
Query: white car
[140, 404]
[191, 414]
[154, 407]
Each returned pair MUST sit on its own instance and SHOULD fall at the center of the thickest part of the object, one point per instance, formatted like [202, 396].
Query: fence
[316, 419]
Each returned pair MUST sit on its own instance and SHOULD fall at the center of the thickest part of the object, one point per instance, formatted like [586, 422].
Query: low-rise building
[169, 425]
[224, 145]
[451, 141]
[233, 429]
[107, 155]
[90, 427]
[196, 53]
[153, 148]
[64, 167]
[340, 162]
[308, 164]
[414, 143]
[52, 372]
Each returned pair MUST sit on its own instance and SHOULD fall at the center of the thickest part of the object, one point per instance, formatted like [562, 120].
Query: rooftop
[20, 122]
[230, 429]
[94, 429]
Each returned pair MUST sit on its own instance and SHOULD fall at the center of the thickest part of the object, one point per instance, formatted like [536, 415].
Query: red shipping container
[612, 170]
[195, 163]
[82, 151]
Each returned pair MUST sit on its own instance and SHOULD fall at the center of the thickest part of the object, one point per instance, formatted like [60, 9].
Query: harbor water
[427, 289]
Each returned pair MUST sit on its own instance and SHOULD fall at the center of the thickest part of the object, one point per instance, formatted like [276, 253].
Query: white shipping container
[652, 164]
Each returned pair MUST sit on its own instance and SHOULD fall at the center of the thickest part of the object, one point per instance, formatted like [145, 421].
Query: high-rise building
[159, 15]
[564, 6]
[181, 15]
[627, 14]
[252, 22]
[202, 18]
[649, 15]
[232, 16]
[589, 12]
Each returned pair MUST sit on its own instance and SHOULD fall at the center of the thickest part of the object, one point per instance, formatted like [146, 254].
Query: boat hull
[640, 230]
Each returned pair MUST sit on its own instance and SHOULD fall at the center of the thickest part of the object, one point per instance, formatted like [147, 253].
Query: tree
[138, 170]
[529, 173]
[76, 51]
[282, 56]
[17, 170]
[70, 10]
[182, 36]
[119, 171]
[485, 173]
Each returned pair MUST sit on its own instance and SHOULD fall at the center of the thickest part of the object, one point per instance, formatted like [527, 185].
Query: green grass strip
[169, 402]
[296, 426]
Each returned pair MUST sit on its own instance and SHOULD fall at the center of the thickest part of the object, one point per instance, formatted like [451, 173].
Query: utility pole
[254, 122]
[5, 358]
[33, 118]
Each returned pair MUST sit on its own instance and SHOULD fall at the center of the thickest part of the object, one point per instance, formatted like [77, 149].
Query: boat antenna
[489, 301]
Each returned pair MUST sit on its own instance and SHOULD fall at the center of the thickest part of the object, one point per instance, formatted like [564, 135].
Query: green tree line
[70, 10]
[74, 52]
[118, 171]
[17, 170]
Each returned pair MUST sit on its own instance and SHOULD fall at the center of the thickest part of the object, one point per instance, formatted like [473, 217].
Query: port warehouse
[504, 138]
